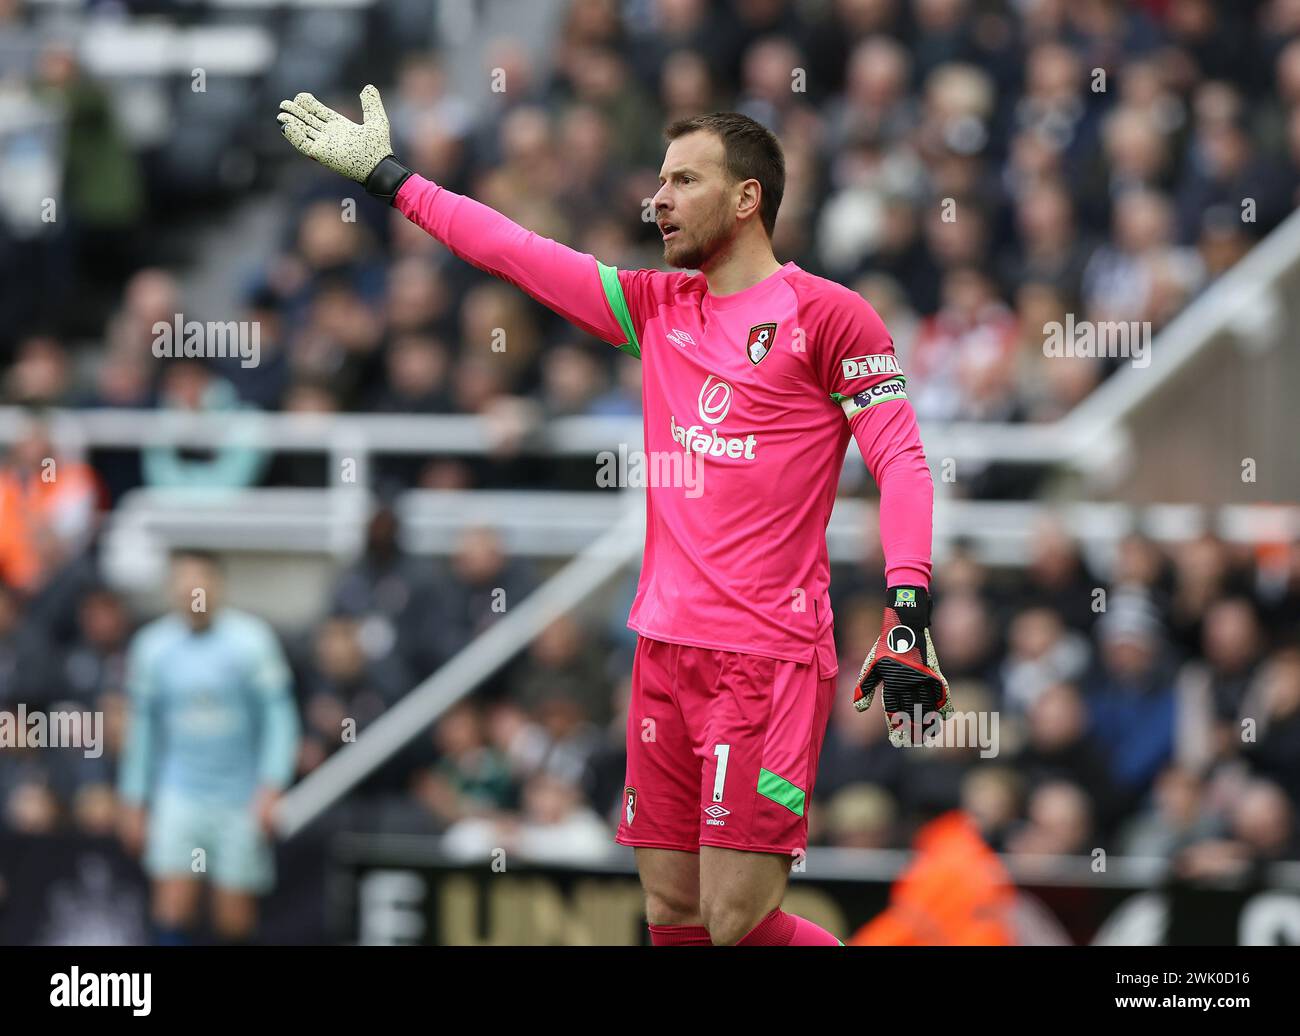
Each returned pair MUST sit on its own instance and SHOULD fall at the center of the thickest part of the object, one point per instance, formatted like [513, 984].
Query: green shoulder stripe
[618, 305]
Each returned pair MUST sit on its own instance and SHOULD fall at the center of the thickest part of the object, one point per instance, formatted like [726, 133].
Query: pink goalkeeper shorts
[722, 748]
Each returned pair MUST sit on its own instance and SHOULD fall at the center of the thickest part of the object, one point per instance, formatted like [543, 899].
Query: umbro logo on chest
[758, 343]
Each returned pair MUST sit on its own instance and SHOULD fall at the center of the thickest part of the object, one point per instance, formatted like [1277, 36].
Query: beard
[697, 251]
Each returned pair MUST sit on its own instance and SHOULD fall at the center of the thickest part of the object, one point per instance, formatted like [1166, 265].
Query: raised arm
[571, 283]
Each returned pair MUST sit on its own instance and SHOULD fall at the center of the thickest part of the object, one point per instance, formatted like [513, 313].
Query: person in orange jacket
[955, 893]
[48, 506]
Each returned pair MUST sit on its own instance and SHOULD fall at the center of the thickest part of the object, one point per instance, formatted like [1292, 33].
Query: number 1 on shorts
[721, 751]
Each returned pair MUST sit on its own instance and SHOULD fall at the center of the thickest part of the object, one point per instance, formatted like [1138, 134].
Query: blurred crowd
[974, 169]
[1150, 708]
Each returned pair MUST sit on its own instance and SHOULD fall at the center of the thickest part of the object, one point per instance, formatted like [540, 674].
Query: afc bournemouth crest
[629, 795]
[761, 337]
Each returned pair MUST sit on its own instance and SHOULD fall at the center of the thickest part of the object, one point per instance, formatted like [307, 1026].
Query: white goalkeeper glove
[362, 153]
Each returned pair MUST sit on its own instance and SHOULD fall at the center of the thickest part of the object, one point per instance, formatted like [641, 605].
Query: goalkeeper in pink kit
[761, 372]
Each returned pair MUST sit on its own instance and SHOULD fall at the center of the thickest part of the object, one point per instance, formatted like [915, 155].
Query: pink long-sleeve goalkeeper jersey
[763, 388]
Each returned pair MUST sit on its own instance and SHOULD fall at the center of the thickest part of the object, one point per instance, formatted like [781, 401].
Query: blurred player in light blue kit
[212, 742]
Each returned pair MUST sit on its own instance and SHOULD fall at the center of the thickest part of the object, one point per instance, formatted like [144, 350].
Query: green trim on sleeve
[618, 305]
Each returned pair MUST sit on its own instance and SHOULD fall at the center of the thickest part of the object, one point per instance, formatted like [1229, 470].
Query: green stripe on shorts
[781, 791]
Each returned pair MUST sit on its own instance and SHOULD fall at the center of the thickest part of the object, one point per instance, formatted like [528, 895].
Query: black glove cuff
[912, 606]
[386, 179]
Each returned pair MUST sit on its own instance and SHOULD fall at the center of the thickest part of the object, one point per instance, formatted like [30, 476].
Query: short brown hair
[752, 150]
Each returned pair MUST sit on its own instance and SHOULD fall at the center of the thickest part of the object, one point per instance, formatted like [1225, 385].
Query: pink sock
[679, 935]
[781, 929]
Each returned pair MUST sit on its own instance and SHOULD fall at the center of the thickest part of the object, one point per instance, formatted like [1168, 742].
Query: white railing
[557, 525]
[358, 436]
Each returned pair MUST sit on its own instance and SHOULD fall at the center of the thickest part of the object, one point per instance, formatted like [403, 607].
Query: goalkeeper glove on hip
[362, 153]
[903, 659]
